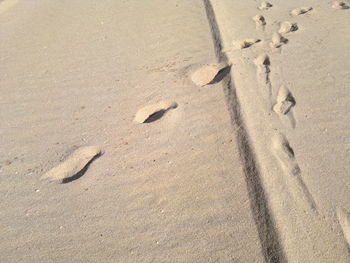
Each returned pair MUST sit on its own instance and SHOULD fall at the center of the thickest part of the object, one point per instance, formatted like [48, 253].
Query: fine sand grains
[74, 166]
[344, 221]
[6, 4]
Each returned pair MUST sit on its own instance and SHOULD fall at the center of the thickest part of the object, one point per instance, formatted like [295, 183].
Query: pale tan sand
[74, 73]
[6, 4]
[226, 177]
[344, 221]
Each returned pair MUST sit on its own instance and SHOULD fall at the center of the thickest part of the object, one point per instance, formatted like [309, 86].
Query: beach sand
[174, 131]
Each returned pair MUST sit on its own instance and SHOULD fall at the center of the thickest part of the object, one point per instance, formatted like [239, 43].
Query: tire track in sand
[269, 237]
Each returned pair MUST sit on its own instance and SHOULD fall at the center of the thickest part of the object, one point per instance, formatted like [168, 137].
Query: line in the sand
[268, 234]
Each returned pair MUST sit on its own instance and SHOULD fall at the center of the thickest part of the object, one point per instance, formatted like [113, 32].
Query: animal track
[75, 166]
[154, 112]
[340, 5]
[285, 155]
[265, 5]
[300, 11]
[287, 27]
[245, 43]
[278, 40]
[344, 221]
[210, 74]
[259, 21]
[285, 101]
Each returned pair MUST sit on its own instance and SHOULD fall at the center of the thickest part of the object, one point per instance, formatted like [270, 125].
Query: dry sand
[252, 165]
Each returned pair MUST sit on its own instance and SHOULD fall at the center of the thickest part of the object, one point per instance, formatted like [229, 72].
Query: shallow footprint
[209, 74]
[287, 27]
[300, 11]
[154, 112]
[265, 5]
[74, 166]
[285, 101]
[340, 5]
[278, 40]
[245, 43]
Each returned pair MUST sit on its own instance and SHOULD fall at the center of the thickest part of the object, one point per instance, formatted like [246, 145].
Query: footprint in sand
[344, 221]
[263, 63]
[210, 74]
[74, 166]
[278, 40]
[300, 11]
[285, 101]
[154, 112]
[259, 20]
[287, 27]
[244, 43]
[340, 5]
[285, 155]
[265, 5]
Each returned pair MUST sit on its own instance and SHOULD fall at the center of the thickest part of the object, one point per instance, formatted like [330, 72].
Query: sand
[250, 166]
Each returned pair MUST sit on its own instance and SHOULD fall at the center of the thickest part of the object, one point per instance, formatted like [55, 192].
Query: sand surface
[253, 167]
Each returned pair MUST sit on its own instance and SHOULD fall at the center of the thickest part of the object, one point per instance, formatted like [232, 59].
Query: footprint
[245, 43]
[263, 63]
[300, 11]
[285, 101]
[259, 20]
[265, 5]
[278, 40]
[287, 27]
[344, 221]
[74, 166]
[210, 74]
[285, 155]
[154, 112]
[340, 5]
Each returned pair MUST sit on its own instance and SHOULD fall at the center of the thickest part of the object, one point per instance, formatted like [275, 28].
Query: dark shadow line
[81, 172]
[268, 234]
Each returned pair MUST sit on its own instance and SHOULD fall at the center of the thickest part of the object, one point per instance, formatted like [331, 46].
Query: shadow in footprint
[157, 115]
[221, 74]
[81, 172]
